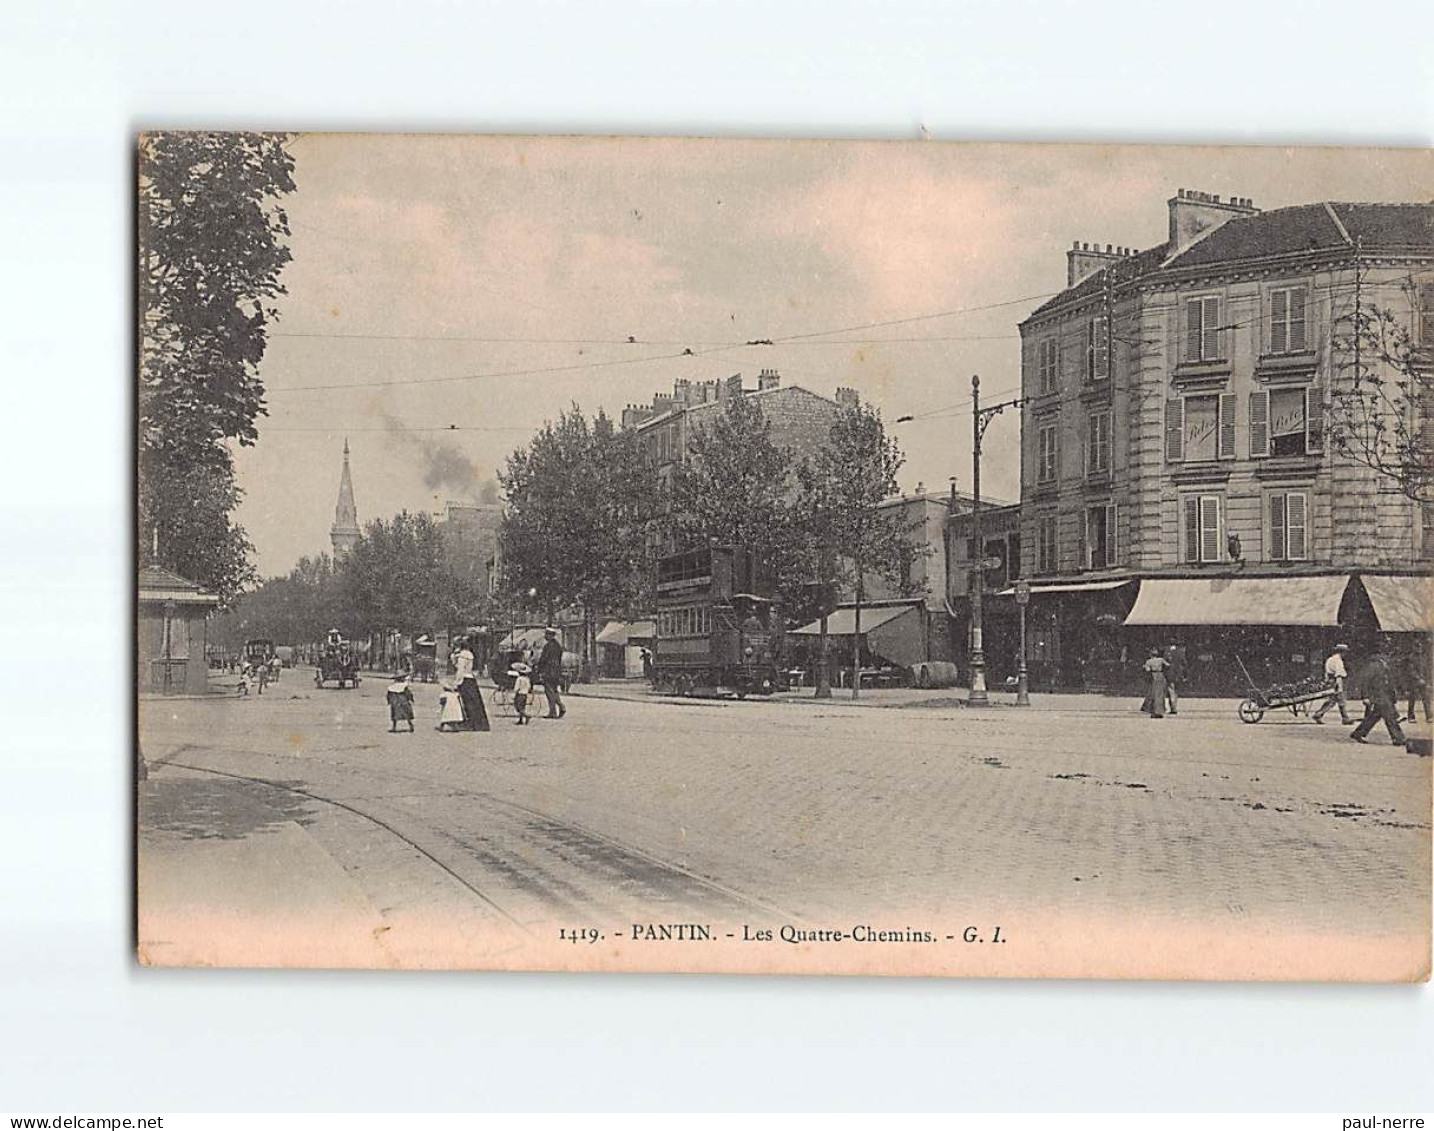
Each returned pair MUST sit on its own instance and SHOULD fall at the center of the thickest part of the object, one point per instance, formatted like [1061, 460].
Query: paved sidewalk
[936, 699]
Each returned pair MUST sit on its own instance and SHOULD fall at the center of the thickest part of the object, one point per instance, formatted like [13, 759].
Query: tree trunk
[824, 664]
[856, 638]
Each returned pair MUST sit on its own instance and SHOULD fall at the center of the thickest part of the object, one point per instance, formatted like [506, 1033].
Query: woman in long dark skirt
[475, 716]
[1155, 668]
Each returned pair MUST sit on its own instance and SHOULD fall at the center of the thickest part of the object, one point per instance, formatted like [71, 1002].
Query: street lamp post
[978, 573]
[980, 418]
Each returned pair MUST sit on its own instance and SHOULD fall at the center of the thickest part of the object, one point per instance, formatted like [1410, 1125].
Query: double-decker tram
[718, 630]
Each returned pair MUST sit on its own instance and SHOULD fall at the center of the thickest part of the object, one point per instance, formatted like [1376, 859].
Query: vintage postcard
[627, 554]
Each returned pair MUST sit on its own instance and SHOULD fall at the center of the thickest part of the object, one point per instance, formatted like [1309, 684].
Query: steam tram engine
[717, 627]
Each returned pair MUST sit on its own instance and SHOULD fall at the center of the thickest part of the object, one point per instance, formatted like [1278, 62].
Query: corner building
[1179, 480]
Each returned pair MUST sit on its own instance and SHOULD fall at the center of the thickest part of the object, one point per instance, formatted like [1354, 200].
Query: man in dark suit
[550, 671]
[1377, 684]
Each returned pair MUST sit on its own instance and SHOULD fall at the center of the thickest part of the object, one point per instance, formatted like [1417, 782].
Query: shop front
[1240, 630]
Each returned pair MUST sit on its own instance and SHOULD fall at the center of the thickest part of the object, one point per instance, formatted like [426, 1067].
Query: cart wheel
[1251, 712]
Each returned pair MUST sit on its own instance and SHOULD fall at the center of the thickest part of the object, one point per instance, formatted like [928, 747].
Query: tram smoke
[445, 467]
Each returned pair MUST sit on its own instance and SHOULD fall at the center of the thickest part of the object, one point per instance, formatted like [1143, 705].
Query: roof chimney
[1194, 215]
[768, 379]
[1083, 260]
[847, 397]
[732, 387]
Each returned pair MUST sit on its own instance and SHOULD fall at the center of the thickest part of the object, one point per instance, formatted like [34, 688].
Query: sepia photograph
[640, 554]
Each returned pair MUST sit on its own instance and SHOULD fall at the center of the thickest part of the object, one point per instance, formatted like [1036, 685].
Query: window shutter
[1277, 528]
[1175, 430]
[1279, 314]
[1295, 525]
[1090, 441]
[1210, 325]
[1192, 330]
[1227, 427]
[1259, 425]
[1088, 551]
[1192, 528]
[1298, 298]
[1111, 557]
[1209, 528]
[1314, 419]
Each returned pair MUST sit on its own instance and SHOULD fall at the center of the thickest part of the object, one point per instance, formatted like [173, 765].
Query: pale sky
[428, 268]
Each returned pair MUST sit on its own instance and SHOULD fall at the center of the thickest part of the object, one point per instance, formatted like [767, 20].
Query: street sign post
[1023, 598]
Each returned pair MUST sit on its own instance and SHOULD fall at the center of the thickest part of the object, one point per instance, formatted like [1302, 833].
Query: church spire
[345, 531]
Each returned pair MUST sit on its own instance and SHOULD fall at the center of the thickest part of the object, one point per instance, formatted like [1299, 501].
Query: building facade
[1179, 405]
[470, 540]
[800, 419]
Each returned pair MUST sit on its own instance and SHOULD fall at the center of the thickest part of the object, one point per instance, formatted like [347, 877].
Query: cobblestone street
[1077, 824]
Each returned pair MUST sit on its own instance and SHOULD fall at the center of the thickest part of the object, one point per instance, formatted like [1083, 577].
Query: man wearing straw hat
[550, 671]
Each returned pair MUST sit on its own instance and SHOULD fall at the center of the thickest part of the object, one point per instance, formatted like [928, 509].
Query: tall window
[1203, 339]
[1013, 554]
[1289, 523]
[1425, 328]
[1046, 544]
[1047, 353]
[1201, 522]
[1200, 427]
[1097, 349]
[1287, 319]
[1287, 422]
[1100, 539]
[1048, 453]
[1097, 448]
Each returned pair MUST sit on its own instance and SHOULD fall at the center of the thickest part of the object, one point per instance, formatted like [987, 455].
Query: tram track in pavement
[530, 868]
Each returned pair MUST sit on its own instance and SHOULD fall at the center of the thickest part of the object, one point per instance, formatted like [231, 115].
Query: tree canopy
[1382, 401]
[575, 531]
[211, 249]
[735, 486]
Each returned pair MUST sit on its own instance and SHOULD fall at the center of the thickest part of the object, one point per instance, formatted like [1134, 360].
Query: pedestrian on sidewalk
[400, 703]
[1174, 670]
[1337, 674]
[1156, 667]
[475, 716]
[244, 679]
[522, 688]
[1416, 676]
[550, 671]
[1377, 683]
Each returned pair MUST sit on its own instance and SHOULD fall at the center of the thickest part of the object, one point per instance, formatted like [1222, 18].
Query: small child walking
[400, 703]
[522, 689]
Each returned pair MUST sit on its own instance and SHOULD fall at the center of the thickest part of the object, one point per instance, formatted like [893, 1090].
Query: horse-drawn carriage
[425, 659]
[338, 662]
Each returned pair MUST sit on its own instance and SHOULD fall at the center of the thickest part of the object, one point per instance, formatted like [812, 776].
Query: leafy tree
[580, 498]
[1382, 403]
[736, 486]
[847, 536]
[395, 577]
[210, 255]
